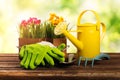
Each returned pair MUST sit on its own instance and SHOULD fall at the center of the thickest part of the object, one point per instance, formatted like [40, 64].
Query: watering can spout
[74, 40]
[61, 29]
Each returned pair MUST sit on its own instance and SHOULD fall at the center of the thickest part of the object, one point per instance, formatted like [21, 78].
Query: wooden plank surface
[102, 70]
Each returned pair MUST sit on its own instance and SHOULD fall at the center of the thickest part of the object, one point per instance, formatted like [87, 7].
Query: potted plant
[50, 24]
[31, 31]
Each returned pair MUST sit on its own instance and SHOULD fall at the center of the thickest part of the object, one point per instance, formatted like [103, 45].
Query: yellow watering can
[88, 38]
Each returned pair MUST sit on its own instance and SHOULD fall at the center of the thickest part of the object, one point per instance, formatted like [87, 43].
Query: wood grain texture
[102, 70]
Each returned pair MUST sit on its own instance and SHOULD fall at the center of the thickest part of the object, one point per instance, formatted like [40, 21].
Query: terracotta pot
[49, 40]
[55, 41]
[58, 41]
[25, 41]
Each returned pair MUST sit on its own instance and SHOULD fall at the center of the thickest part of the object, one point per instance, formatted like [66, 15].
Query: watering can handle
[103, 31]
[96, 15]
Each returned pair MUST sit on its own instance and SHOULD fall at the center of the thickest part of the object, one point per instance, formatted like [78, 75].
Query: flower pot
[58, 41]
[49, 40]
[55, 41]
[25, 41]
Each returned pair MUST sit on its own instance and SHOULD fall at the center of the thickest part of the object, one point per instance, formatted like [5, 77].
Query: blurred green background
[13, 11]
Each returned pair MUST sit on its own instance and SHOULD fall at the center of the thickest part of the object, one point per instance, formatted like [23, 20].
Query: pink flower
[33, 21]
[30, 21]
[30, 28]
[23, 23]
[37, 21]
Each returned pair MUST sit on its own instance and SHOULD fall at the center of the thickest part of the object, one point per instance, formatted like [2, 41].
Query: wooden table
[102, 70]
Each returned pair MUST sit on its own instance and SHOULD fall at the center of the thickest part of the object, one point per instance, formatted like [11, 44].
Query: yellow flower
[54, 19]
[52, 15]
[61, 19]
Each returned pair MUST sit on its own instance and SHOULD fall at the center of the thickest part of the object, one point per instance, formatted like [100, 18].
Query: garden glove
[56, 53]
[32, 55]
[53, 53]
[35, 54]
